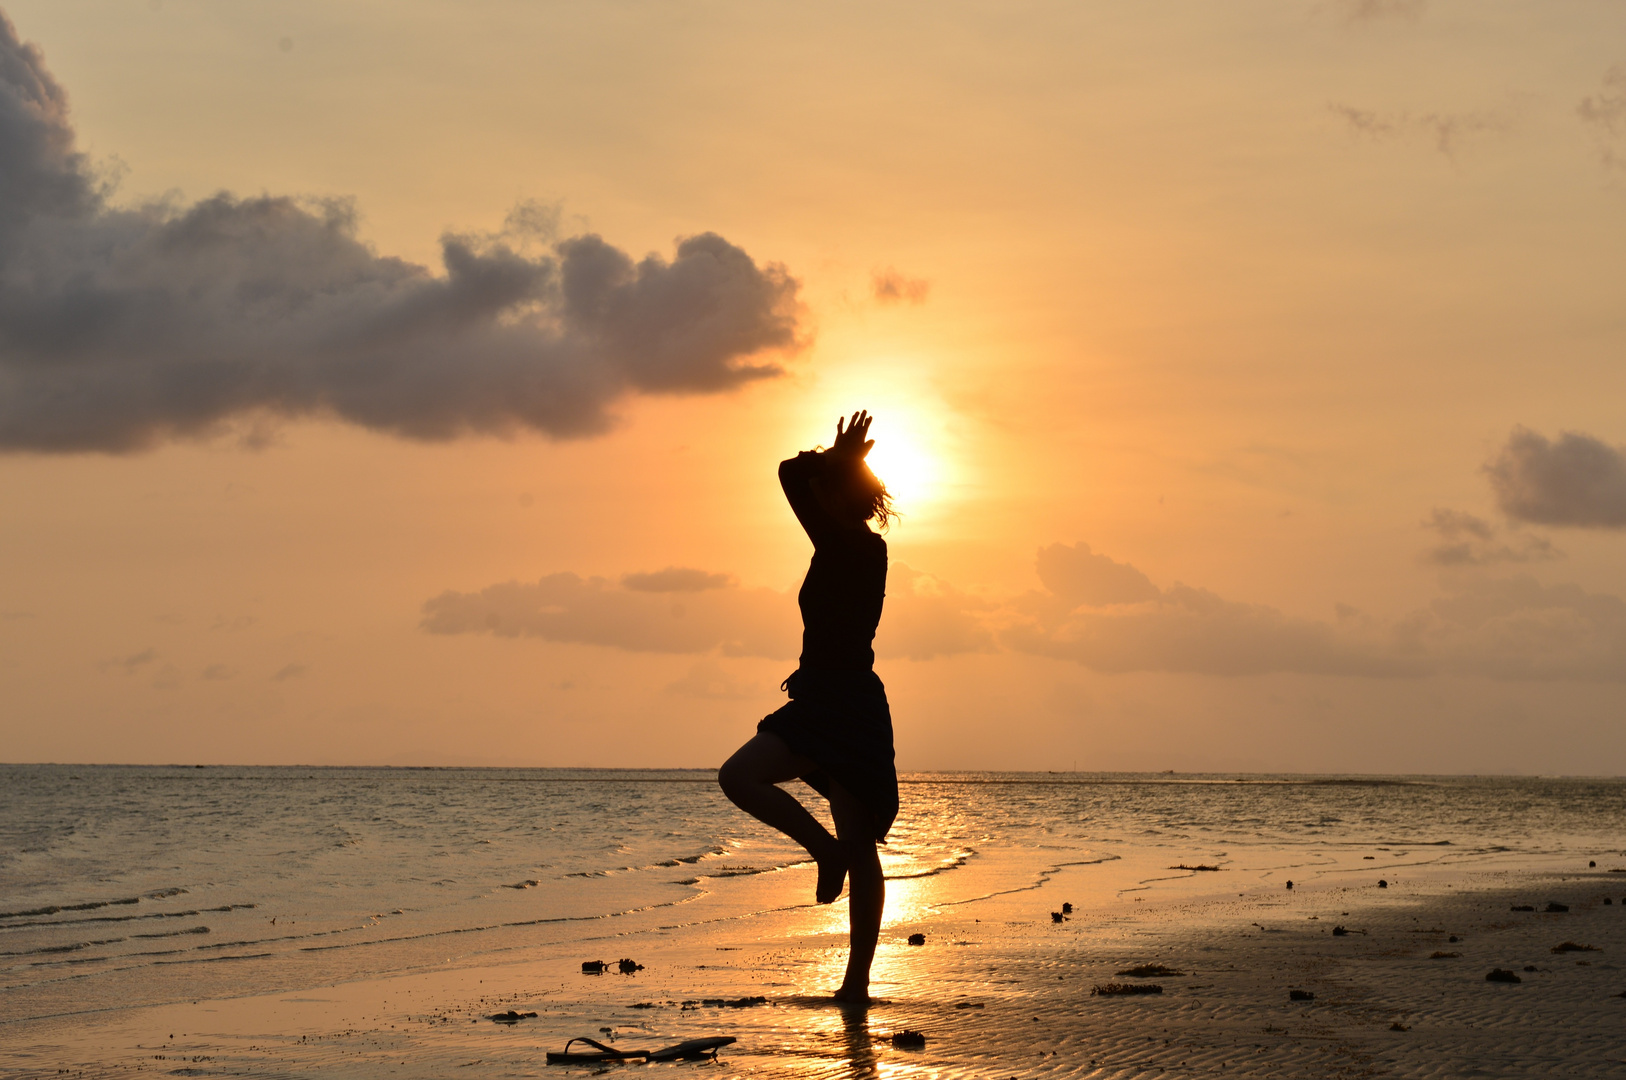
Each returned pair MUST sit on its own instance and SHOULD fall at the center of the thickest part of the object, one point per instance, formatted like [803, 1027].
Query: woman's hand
[851, 442]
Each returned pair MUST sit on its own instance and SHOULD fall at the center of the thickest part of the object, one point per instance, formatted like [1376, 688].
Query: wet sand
[998, 989]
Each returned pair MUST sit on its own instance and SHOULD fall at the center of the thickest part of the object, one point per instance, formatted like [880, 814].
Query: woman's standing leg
[750, 779]
[866, 897]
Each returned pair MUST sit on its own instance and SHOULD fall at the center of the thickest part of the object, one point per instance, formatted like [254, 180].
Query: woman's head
[851, 493]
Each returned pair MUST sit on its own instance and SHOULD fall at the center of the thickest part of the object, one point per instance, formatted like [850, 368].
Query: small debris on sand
[1571, 946]
[1607, 901]
[1150, 971]
[629, 966]
[1056, 916]
[511, 1017]
[908, 1040]
[968, 1005]
[1289, 883]
[642, 1005]
[733, 1003]
[1339, 931]
[1553, 907]
[1199, 866]
[1382, 884]
[1067, 908]
[1115, 989]
[1452, 940]
[1398, 1026]
[593, 967]
[1501, 975]
[1523, 907]
[1592, 864]
[1529, 967]
[1443, 955]
[1301, 995]
[917, 939]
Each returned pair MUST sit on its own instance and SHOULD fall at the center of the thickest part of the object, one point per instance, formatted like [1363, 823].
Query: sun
[904, 465]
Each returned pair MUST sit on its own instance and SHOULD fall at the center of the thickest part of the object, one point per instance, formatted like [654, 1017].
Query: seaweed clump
[1117, 989]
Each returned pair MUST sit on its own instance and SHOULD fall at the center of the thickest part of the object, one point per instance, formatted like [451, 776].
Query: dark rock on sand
[1067, 908]
[1554, 907]
[908, 1040]
[1151, 971]
[1523, 907]
[1382, 884]
[1289, 883]
[917, 939]
[1452, 940]
[1591, 863]
[511, 1017]
[627, 967]
[1502, 975]
[1339, 931]
[1056, 916]
[593, 967]
[1398, 1026]
[1115, 989]
[1607, 901]
[1570, 946]
[1530, 967]
[1444, 955]
[1301, 995]
[734, 1003]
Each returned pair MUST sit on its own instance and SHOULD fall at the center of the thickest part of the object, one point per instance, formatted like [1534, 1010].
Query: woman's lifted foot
[832, 876]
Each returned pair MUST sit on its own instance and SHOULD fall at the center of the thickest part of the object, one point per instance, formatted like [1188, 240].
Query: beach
[998, 988]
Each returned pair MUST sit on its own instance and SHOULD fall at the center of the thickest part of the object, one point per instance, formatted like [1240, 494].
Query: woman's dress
[838, 714]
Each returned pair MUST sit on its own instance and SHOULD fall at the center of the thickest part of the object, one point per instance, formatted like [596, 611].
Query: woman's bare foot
[832, 876]
[852, 995]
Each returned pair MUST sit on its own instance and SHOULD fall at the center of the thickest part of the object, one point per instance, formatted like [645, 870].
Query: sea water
[124, 886]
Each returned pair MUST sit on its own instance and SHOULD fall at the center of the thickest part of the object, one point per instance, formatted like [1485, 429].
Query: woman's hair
[868, 486]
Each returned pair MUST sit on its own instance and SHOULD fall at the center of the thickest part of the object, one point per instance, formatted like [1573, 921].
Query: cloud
[1374, 10]
[1193, 630]
[676, 579]
[1577, 480]
[1498, 628]
[891, 287]
[1078, 574]
[1447, 131]
[1466, 540]
[132, 663]
[707, 679]
[123, 327]
[1096, 612]
[593, 611]
[924, 617]
[1605, 113]
[1518, 628]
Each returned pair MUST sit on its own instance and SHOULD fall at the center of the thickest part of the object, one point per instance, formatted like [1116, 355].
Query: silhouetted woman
[836, 731]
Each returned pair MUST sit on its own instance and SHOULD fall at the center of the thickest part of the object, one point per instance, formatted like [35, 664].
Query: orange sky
[1280, 311]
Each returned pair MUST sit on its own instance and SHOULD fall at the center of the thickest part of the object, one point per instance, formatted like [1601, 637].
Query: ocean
[126, 886]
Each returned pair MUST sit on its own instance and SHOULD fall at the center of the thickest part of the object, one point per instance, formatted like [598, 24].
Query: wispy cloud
[891, 287]
[121, 327]
[1448, 132]
[1467, 540]
[1604, 113]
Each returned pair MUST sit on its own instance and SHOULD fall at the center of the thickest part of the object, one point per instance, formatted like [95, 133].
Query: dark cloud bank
[122, 327]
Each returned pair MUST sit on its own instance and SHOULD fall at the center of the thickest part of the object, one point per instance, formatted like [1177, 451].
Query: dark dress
[838, 714]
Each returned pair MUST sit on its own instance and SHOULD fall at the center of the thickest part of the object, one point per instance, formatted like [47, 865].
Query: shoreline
[998, 989]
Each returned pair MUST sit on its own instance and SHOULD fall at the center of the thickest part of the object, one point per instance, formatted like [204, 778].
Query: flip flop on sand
[683, 1051]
